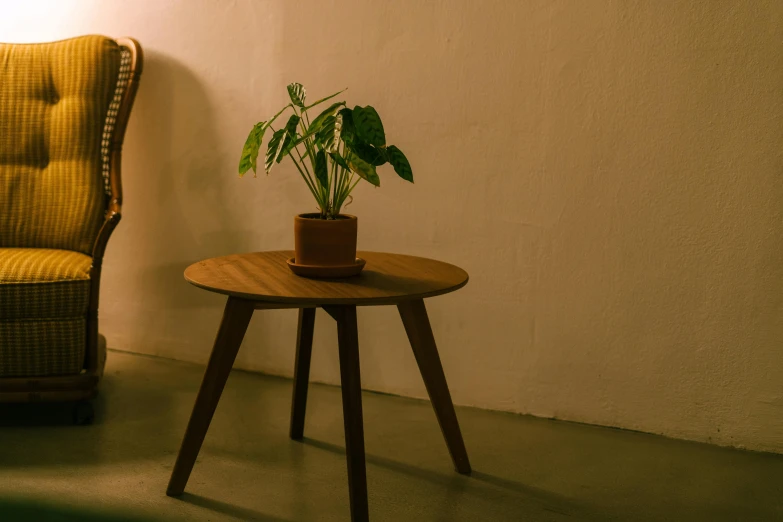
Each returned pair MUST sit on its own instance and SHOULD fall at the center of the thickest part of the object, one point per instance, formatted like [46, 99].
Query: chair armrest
[92, 357]
[113, 216]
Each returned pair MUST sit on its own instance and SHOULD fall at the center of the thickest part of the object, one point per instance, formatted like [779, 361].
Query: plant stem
[309, 176]
[323, 192]
[341, 178]
[346, 189]
[348, 193]
[333, 186]
[308, 145]
[309, 184]
[337, 180]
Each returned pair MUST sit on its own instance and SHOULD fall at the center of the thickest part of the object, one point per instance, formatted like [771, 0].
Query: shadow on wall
[176, 209]
[187, 214]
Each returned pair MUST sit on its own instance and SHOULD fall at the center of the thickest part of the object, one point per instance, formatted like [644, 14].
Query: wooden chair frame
[84, 385]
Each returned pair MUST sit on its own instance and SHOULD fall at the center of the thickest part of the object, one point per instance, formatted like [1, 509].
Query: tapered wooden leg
[417, 326]
[236, 317]
[304, 348]
[348, 339]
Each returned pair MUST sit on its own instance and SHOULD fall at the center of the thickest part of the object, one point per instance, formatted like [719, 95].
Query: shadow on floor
[530, 500]
[125, 404]
[37, 414]
[227, 509]
[36, 510]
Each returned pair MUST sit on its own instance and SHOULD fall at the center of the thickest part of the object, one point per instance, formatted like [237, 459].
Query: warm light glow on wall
[42, 20]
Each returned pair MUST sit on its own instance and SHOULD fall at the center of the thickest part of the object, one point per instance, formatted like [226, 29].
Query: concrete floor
[525, 468]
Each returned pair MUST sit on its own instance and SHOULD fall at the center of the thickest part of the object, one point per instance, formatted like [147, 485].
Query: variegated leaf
[297, 94]
[249, 157]
[272, 149]
[289, 139]
[338, 127]
[329, 135]
[316, 124]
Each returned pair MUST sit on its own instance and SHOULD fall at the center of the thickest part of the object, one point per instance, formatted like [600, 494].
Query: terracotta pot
[325, 242]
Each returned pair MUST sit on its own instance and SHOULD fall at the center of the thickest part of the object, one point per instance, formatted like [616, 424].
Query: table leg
[417, 326]
[348, 340]
[304, 348]
[236, 317]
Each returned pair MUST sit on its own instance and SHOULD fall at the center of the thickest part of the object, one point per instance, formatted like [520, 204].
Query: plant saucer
[318, 272]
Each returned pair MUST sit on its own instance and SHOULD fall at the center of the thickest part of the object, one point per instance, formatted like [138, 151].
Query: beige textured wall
[608, 172]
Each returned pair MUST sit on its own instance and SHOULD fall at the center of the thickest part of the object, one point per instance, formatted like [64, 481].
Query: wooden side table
[263, 281]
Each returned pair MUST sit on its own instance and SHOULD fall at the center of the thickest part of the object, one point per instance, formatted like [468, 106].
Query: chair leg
[304, 349]
[348, 340]
[417, 326]
[236, 317]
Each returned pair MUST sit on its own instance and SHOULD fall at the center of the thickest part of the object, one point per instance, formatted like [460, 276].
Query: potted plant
[332, 152]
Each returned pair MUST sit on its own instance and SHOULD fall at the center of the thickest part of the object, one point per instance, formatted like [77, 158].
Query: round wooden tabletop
[386, 279]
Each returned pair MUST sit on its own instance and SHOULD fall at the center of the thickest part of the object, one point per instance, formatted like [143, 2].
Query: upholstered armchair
[64, 107]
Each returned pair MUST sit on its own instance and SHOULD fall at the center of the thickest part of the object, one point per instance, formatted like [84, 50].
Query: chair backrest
[58, 128]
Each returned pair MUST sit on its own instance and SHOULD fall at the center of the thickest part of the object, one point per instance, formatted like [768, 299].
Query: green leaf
[339, 160]
[291, 125]
[363, 169]
[329, 134]
[348, 131]
[368, 153]
[272, 149]
[297, 94]
[250, 151]
[323, 100]
[321, 168]
[289, 139]
[300, 139]
[369, 127]
[319, 120]
[400, 163]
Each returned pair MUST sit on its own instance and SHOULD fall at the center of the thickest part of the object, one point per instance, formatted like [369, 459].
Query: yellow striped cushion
[43, 283]
[53, 103]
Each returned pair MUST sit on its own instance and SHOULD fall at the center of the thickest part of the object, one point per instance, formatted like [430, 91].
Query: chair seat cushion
[41, 283]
